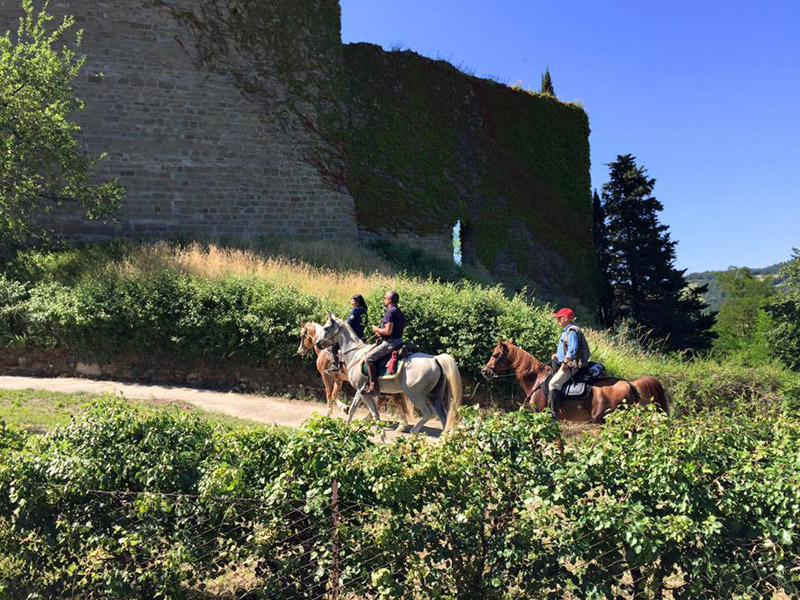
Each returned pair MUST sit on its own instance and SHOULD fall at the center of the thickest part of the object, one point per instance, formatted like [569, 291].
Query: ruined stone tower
[244, 118]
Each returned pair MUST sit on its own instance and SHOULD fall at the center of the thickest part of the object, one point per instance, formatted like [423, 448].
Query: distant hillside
[715, 295]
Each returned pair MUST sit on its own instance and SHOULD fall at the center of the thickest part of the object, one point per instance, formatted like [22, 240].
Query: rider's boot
[336, 362]
[372, 370]
[554, 401]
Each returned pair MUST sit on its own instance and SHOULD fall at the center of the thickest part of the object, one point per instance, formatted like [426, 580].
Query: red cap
[565, 312]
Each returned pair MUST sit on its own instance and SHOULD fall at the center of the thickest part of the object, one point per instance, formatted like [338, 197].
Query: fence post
[335, 568]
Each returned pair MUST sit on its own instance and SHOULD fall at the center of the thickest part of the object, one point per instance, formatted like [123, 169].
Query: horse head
[330, 332]
[499, 361]
[307, 331]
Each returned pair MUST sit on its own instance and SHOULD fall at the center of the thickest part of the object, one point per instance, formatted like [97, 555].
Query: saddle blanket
[383, 365]
[575, 389]
[581, 384]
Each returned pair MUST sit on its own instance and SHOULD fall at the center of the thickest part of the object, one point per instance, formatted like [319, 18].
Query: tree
[547, 84]
[784, 338]
[640, 263]
[742, 326]
[41, 163]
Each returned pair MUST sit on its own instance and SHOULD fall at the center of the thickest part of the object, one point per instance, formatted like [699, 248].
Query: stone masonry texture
[196, 156]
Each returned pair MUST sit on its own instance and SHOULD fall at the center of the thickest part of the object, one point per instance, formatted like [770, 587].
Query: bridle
[338, 329]
[487, 370]
[332, 337]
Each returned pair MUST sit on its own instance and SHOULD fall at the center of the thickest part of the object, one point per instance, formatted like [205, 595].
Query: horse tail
[649, 388]
[453, 378]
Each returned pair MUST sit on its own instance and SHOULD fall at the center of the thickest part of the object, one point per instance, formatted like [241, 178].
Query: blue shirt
[358, 320]
[394, 316]
[572, 344]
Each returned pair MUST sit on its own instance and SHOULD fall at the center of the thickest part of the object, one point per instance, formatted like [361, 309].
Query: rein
[502, 376]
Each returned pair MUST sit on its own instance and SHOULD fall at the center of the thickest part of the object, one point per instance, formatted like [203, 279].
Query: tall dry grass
[280, 266]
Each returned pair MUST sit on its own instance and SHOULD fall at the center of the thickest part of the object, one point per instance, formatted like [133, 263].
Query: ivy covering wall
[430, 145]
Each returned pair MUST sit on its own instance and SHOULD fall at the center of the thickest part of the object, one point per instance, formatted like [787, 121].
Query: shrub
[102, 311]
[493, 511]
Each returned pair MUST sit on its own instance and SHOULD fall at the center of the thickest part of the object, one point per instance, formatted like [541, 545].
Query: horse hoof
[400, 428]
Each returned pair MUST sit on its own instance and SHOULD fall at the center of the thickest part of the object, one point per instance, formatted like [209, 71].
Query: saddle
[581, 383]
[391, 365]
[383, 366]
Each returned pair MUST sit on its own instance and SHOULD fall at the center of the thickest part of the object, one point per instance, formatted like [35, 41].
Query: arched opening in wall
[463, 244]
[457, 256]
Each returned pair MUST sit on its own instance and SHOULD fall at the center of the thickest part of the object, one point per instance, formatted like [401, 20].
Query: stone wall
[244, 118]
[197, 156]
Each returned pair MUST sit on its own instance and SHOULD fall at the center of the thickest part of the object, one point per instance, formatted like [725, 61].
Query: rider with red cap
[572, 354]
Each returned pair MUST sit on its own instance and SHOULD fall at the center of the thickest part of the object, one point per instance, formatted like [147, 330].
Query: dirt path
[264, 409]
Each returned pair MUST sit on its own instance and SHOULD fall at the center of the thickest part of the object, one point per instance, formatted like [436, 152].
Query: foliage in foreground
[41, 163]
[494, 511]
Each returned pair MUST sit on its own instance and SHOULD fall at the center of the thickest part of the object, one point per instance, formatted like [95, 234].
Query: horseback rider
[357, 320]
[391, 333]
[571, 355]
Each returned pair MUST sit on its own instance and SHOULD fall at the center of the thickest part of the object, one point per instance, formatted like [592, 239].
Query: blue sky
[703, 93]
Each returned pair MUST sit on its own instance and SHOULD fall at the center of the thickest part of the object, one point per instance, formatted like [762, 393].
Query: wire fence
[160, 545]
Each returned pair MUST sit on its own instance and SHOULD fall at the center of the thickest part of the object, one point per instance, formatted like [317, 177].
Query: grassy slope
[337, 272]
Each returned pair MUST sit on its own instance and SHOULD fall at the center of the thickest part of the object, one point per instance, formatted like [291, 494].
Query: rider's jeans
[560, 378]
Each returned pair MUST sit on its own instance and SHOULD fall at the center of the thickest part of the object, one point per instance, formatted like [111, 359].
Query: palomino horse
[424, 379]
[310, 334]
[607, 392]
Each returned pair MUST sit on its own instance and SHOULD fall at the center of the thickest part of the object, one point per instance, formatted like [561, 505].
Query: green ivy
[436, 145]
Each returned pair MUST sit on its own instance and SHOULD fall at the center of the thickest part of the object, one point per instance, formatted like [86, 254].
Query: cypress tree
[547, 84]
[640, 262]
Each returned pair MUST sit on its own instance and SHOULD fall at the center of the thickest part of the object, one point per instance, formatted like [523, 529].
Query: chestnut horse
[310, 334]
[607, 392]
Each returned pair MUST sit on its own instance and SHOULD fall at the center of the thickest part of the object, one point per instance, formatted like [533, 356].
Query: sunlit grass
[278, 267]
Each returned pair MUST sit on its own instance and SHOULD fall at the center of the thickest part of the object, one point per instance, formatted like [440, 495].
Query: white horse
[423, 379]
[310, 334]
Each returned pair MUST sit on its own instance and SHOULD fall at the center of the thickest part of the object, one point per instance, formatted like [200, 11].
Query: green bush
[100, 312]
[163, 311]
[129, 503]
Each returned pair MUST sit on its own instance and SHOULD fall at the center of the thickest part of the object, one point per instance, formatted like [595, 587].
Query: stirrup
[333, 368]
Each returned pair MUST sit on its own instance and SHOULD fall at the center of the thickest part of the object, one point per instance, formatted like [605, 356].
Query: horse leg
[328, 393]
[599, 406]
[351, 412]
[426, 411]
[337, 388]
[369, 400]
[421, 423]
[400, 405]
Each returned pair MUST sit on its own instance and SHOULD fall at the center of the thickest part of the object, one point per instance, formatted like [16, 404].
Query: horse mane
[316, 327]
[317, 330]
[523, 361]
